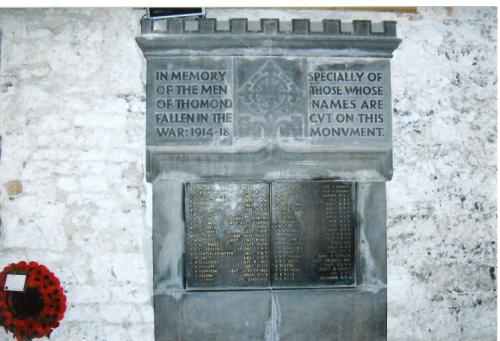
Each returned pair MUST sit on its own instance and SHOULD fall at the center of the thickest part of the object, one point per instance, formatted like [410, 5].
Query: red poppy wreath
[36, 311]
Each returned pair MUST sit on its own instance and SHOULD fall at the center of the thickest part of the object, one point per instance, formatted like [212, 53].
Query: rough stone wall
[73, 194]
[72, 104]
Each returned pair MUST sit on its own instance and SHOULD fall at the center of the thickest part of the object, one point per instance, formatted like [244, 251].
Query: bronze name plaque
[280, 234]
[227, 235]
[313, 230]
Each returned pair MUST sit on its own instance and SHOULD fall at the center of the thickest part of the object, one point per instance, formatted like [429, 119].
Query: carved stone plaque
[227, 235]
[348, 102]
[317, 100]
[270, 97]
[191, 101]
[313, 233]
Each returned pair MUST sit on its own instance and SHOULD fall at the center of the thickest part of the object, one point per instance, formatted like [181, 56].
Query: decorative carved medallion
[270, 89]
[270, 93]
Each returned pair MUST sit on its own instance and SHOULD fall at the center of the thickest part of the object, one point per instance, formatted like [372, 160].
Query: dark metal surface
[230, 242]
[227, 235]
[313, 233]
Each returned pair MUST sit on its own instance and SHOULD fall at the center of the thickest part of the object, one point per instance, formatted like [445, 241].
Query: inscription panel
[348, 102]
[220, 101]
[313, 233]
[227, 235]
[190, 101]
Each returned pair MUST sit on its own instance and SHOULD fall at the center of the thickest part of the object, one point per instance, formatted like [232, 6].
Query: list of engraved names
[313, 233]
[254, 234]
[227, 235]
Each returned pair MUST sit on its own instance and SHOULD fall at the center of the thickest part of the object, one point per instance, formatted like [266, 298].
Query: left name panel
[227, 235]
[189, 101]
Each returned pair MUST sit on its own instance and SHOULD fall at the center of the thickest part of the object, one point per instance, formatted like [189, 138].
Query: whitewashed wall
[73, 194]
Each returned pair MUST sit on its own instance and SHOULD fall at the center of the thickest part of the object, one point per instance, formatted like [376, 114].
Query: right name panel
[313, 233]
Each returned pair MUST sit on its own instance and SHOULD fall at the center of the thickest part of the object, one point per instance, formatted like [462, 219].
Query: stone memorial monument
[268, 147]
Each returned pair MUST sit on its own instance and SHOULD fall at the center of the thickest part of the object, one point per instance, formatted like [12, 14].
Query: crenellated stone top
[268, 36]
[266, 27]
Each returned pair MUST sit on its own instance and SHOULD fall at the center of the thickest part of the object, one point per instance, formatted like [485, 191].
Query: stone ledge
[363, 165]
